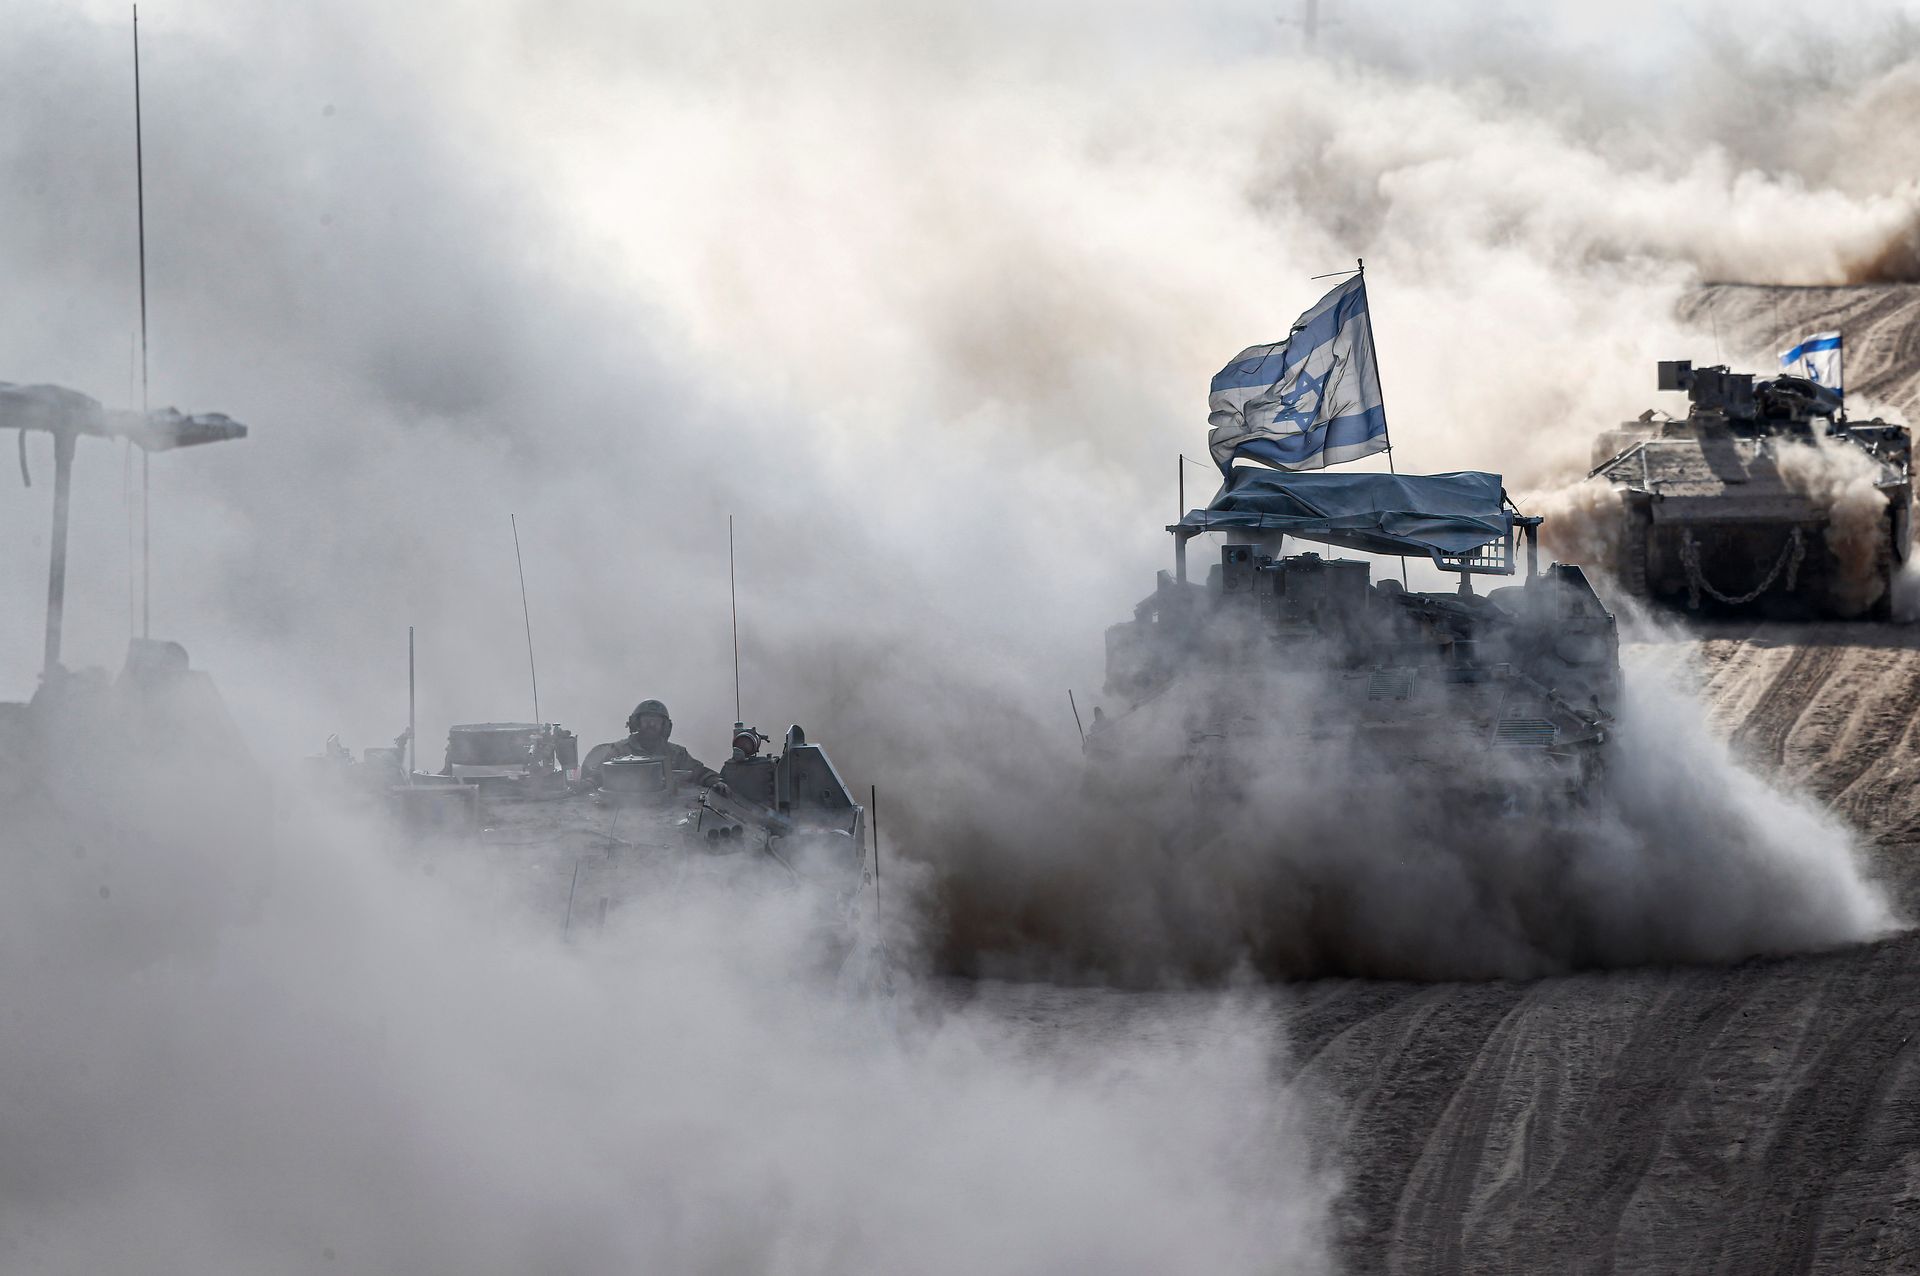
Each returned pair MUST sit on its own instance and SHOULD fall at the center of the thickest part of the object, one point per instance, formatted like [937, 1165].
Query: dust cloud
[371, 1065]
[1307, 850]
[898, 281]
[1584, 524]
[928, 298]
[1841, 479]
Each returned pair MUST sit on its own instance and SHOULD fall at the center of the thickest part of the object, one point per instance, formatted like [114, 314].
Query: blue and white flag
[1817, 359]
[1308, 402]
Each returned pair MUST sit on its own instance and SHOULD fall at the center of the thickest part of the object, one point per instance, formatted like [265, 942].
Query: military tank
[1764, 498]
[510, 794]
[1281, 660]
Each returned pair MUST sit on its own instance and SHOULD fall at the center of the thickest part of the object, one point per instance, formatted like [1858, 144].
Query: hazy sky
[926, 296]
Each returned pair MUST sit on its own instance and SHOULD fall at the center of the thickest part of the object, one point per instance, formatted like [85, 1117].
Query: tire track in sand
[1888, 696]
[1762, 739]
[1844, 1087]
[1759, 1118]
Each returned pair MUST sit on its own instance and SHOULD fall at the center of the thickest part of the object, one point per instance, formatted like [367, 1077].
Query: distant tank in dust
[1733, 507]
[1498, 699]
[511, 790]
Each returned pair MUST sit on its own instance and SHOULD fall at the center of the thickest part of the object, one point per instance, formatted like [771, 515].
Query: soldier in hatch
[648, 728]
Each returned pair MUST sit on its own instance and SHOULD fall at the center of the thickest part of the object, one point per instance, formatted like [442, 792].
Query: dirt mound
[1828, 708]
[1746, 1120]
[1881, 323]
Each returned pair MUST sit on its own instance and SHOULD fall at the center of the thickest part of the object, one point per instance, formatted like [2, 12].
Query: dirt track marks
[1762, 738]
[1828, 708]
[1396, 1072]
[1853, 1047]
[1881, 324]
[1755, 1119]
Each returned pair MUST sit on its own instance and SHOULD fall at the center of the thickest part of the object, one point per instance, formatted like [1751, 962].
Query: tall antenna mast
[146, 457]
[527, 616]
[733, 597]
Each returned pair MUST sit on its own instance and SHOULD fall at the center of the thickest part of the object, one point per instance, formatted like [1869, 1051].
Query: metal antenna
[1183, 482]
[566, 927]
[126, 488]
[527, 616]
[1076, 716]
[873, 812]
[146, 457]
[733, 596]
[413, 751]
[1308, 22]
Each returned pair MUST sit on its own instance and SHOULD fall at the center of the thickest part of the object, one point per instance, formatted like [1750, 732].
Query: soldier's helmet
[649, 708]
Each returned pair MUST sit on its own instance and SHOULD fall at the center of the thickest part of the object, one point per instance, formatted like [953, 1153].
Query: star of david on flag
[1817, 359]
[1308, 402]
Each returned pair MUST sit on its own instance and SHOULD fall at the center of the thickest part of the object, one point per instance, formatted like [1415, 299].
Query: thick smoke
[1841, 480]
[929, 299]
[374, 1066]
[900, 281]
[1245, 825]
[1585, 524]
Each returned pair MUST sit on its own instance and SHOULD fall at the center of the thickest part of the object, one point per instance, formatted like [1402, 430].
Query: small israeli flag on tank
[1308, 402]
[1817, 359]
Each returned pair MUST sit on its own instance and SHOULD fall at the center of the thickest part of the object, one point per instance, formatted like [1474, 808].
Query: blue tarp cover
[1373, 513]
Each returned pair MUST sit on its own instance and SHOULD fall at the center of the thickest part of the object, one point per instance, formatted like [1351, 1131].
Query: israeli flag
[1308, 402]
[1817, 359]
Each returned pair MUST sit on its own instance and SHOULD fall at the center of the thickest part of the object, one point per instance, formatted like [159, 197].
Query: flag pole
[1361, 270]
[1360, 266]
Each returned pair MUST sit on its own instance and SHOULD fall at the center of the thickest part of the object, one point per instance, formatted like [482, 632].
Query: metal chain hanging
[1791, 555]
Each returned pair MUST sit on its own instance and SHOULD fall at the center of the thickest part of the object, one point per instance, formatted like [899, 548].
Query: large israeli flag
[1817, 359]
[1308, 402]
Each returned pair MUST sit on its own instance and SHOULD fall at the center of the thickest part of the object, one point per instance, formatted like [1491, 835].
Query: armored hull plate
[1766, 497]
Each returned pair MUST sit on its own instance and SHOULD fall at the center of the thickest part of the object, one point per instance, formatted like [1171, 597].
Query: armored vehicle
[1765, 497]
[510, 792]
[788, 820]
[528, 754]
[1280, 661]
